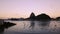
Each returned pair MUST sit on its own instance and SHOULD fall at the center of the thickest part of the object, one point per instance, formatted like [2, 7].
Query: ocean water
[32, 27]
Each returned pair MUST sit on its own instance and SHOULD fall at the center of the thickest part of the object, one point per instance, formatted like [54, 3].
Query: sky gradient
[23, 8]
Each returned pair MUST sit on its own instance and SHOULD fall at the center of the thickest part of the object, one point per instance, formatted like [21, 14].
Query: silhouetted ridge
[32, 16]
[43, 17]
[58, 18]
[39, 17]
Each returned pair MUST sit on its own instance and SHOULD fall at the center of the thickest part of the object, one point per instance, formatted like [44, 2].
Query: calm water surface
[26, 27]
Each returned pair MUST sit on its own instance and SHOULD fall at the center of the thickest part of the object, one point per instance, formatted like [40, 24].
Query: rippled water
[26, 27]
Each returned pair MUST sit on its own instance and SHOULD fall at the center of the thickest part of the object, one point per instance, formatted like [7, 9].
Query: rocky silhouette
[5, 24]
[58, 18]
[16, 19]
[33, 17]
[39, 17]
[43, 17]
[13, 19]
[8, 24]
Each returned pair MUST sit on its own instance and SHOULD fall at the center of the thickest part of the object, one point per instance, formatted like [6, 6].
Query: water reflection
[32, 24]
[34, 27]
[40, 23]
[44, 23]
[44, 26]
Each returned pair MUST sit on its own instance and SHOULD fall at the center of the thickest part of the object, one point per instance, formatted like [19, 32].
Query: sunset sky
[23, 8]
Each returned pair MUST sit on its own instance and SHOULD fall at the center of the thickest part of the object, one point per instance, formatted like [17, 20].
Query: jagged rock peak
[32, 15]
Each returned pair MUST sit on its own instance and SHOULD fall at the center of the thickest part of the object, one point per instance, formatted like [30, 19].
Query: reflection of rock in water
[44, 23]
[40, 23]
[32, 24]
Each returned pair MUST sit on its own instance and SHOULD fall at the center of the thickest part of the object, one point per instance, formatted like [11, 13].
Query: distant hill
[58, 18]
[43, 17]
[33, 17]
[38, 17]
[16, 19]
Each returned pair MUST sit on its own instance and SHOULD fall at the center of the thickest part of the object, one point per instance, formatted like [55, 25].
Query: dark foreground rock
[7, 25]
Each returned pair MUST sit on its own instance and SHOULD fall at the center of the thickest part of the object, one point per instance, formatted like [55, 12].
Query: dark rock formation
[39, 17]
[4, 26]
[32, 16]
[58, 18]
[16, 19]
[7, 24]
[43, 17]
[13, 19]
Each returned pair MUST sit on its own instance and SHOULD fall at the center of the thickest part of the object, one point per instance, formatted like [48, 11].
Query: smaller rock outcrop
[58, 18]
